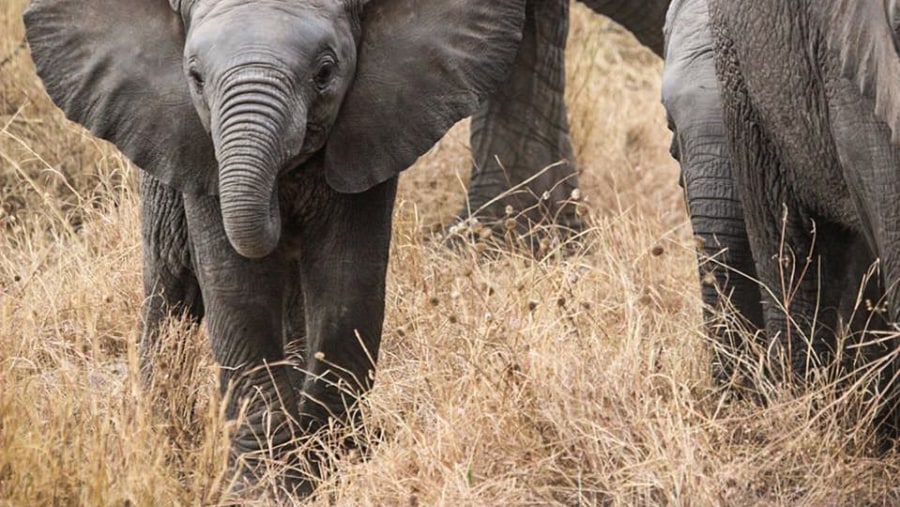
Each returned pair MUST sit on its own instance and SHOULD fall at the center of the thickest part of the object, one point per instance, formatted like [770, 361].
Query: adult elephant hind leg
[870, 161]
[343, 263]
[700, 144]
[799, 258]
[170, 287]
[520, 137]
[244, 305]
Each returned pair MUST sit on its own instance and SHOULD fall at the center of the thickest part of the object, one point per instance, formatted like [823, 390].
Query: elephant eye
[196, 78]
[325, 74]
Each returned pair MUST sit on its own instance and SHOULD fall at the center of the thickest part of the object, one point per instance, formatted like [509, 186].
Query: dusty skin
[504, 380]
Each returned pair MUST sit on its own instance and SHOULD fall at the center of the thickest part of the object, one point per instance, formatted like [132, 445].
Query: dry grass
[503, 381]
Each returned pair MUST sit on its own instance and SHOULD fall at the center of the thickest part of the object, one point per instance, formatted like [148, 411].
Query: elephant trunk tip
[252, 233]
[256, 250]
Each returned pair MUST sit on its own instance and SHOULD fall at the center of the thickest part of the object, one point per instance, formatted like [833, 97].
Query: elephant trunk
[248, 132]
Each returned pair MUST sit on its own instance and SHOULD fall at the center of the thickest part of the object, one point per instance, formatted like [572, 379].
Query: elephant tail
[859, 33]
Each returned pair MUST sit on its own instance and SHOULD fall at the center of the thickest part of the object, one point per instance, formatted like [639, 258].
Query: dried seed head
[545, 196]
[485, 233]
[480, 247]
[709, 278]
[477, 227]
[509, 210]
[576, 194]
[699, 242]
[320, 356]
[510, 224]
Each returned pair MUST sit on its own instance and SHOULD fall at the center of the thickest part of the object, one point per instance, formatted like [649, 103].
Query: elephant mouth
[312, 144]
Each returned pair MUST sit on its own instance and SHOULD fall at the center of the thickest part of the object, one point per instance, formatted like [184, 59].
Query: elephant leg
[800, 259]
[520, 136]
[295, 325]
[244, 301]
[694, 106]
[170, 287]
[644, 18]
[343, 264]
[870, 160]
[803, 266]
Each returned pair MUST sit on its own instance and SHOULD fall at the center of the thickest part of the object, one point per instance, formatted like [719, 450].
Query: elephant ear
[860, 34]
[115, 66]
[422, 66]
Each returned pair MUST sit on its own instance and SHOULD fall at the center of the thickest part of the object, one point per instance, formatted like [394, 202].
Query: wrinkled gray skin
[811, 109]
[272, 133]
[690, 94]
[525, 124]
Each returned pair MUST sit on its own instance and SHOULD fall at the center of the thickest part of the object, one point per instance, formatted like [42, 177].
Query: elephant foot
[279, 484]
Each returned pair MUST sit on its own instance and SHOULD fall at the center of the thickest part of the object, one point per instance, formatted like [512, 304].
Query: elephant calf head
[223, 96]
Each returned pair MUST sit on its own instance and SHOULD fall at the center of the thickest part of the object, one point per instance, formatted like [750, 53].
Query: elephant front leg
[343, 267]
[294, 332]
[244, 315]
[521, 150]
[170, 287]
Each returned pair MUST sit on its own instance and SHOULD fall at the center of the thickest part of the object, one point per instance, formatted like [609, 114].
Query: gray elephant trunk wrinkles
[248, 131]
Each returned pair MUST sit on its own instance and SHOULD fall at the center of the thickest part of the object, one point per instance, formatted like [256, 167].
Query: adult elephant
[523, 129]
[272, 133]
[694, 107]
[812, 116]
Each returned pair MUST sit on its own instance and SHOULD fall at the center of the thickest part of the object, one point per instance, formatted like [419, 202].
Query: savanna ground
[504, 380]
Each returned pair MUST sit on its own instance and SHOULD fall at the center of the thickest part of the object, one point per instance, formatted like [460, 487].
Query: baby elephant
[272, 133]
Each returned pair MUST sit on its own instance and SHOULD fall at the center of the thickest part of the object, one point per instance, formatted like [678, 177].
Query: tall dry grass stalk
[504, 379]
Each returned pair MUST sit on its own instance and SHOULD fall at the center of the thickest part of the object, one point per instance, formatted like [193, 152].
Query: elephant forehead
[324, 8]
